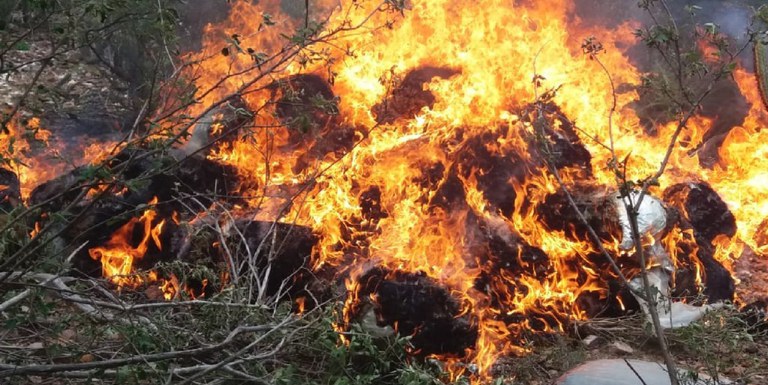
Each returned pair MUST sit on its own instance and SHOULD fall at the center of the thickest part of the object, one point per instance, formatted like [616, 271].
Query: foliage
[720, 342]
[311, 350]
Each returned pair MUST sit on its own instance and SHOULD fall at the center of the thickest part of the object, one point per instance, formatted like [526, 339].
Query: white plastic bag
[651, 217]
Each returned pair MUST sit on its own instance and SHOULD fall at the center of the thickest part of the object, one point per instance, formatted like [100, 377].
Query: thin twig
[7, 370]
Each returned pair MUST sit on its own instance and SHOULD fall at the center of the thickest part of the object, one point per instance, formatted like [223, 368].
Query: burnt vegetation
[173, 255]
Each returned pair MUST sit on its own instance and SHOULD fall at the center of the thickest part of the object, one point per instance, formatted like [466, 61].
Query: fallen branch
[233, 357]
[46, 281]
[19, 370]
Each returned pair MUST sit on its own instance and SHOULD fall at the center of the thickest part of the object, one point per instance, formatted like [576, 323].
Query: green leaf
[710, 28]
[692, 9]
[11, 141]
[762, 13]
[21, 46]
[761, 69]
[267, 19]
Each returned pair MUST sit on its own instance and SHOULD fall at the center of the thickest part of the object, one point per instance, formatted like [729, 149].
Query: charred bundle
[307, 106]
[695, 213]
[10, 190]
[272, 257]
[417, 306]
[507, 262]
[93, 202]
[407, 96]
[697, 207]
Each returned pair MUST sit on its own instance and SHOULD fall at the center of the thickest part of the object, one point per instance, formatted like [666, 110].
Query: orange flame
[495, 48]
[118, 255]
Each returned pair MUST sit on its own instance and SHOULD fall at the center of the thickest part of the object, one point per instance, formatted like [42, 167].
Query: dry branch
[41, 369]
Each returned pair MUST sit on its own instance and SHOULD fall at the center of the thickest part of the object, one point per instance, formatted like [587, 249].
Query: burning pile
[413, 171]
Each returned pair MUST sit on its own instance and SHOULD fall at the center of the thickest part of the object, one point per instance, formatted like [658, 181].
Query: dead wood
[564, 147]
[305, 103]
[272, 257]
[408, 96]
[217, 127]
[10, 190]
[7, 370]
[417, 306]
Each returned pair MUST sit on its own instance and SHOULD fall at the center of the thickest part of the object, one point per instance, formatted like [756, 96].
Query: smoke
[194, 16]
[725, 105]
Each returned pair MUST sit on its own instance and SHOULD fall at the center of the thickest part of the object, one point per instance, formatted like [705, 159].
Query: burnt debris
[10, 190]
[407, 96]
[417, 306]
[704, 209]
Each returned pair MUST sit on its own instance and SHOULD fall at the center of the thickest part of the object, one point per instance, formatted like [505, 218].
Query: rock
[621, 348]
[628, 372]
[591, 341]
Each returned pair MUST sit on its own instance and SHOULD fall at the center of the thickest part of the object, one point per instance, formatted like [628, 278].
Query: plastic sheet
[671, 314]
[629, 372]
[651, 217]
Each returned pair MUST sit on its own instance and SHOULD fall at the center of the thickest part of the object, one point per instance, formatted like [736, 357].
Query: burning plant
[471, 177]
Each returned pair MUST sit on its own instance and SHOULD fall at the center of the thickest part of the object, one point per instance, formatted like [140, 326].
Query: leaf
[762, 13]
[692, 9]
[729, 68]
[21, 46]
[710, 28]
[267, 19]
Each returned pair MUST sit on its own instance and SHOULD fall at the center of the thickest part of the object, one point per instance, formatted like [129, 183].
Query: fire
[417, 193]
[22, 138]
[31, 152]
[740, 175]
[118, 255]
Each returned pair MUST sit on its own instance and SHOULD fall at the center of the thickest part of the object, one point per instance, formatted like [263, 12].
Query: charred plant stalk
[592, 233]
[650, 296]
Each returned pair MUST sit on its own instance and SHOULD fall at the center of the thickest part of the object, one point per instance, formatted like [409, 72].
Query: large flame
[494, 48]
[375, 206]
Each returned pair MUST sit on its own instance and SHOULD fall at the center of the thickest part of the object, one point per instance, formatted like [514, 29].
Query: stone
[618, 371]
[591, 341]
[621, 348]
